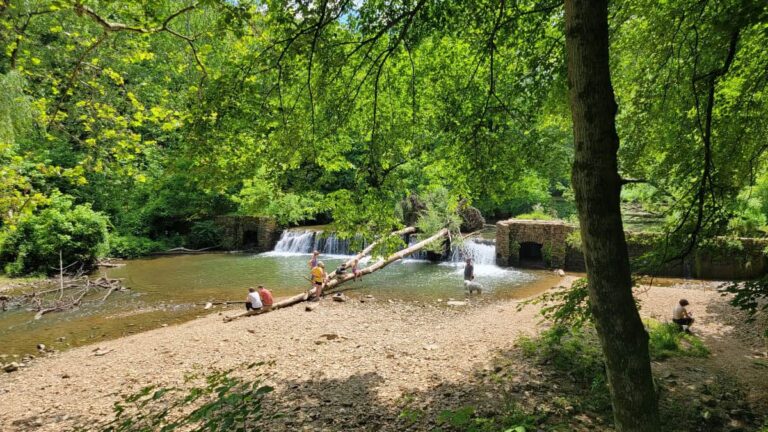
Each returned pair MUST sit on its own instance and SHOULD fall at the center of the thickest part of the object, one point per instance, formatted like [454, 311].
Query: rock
[164, 325]
[310, 307]
[61, 339]
[340, 297]
[11, 367]
[707, 400]
[471, 219]
[456, 303]
[251, 331]
[560, 272]
[65, 376]
[98, 352]
[329, 336]
[41, 347]
[208, 305]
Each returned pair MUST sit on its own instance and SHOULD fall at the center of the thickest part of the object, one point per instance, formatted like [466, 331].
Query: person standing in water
[469, 270]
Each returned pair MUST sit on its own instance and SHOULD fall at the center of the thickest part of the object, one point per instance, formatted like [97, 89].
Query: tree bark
[597, 186]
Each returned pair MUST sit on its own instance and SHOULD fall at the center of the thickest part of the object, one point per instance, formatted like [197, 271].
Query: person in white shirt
[681, 316]
[253, 301]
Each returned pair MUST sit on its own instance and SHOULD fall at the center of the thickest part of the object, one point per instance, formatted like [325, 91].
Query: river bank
[379, 353]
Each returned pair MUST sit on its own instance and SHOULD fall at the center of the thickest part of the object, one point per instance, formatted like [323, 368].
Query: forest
[127, 126]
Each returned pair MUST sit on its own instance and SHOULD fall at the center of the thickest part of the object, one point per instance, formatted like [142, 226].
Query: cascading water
[306, 241]
[482, 253]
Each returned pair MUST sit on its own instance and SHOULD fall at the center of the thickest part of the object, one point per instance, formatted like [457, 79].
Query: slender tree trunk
[597, 185]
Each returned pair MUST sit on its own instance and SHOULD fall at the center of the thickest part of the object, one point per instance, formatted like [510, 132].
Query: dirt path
[377, 354]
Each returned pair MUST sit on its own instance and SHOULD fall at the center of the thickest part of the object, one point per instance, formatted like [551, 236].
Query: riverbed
[170, 290]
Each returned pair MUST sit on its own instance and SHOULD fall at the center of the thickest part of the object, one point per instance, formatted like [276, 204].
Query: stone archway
[521, 242]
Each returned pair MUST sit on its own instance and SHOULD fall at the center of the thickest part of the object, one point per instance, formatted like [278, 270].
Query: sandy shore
[388, 350]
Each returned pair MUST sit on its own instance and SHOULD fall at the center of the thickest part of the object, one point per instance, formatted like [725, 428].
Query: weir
[302, 241]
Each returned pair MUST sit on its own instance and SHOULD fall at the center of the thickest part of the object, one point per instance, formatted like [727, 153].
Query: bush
[222, 403]
[204, 234]
[132, 246]
[34, 244]
[666, 340]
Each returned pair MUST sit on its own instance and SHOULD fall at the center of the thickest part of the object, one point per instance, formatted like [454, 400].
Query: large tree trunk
[597, 185]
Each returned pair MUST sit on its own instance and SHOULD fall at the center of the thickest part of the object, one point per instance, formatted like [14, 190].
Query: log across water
[336, 281]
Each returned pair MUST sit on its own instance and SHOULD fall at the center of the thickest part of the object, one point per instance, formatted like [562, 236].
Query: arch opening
[531, 255]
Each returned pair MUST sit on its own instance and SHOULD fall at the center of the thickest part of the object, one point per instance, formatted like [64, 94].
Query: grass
[666, 340]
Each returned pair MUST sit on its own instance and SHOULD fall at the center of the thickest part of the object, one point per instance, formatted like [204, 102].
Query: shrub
[204, 234]
[223, 403]
[130, 246]
[666, 340]
[34, 244]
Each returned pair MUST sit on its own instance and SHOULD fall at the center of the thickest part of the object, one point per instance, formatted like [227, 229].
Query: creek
[170, 290]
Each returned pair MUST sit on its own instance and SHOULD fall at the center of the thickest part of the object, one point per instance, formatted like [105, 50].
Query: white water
[303, 242]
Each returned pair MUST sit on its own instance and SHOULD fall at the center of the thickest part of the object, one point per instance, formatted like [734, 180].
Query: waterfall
[481, 252]
[306, 241]
[297, 241]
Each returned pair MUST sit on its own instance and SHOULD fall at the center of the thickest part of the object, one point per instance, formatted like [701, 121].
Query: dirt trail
[379, 352]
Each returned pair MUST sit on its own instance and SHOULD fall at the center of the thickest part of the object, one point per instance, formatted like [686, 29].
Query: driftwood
[183, 250]
[53, 300]
[333, 285]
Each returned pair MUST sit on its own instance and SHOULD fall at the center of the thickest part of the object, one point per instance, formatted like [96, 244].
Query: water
[173, 289]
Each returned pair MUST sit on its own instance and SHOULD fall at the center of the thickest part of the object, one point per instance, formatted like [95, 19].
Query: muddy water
[171, 290]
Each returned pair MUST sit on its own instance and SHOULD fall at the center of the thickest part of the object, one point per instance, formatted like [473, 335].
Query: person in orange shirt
[266, 298]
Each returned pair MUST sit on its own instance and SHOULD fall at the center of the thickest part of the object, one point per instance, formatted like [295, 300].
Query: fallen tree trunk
[370, 247]
[333, 284]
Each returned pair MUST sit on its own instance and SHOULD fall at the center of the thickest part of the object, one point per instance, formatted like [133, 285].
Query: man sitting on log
[253, 301]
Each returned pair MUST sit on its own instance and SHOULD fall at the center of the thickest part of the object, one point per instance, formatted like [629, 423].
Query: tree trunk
[597, 186]
[332, 286]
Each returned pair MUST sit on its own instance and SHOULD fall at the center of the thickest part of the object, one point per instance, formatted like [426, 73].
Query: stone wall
[715, 263]
[551, 235]
[248, 233]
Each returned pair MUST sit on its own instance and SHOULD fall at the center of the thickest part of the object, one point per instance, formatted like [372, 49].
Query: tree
[597, 186]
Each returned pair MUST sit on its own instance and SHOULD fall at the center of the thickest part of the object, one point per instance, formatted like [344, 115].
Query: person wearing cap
[318, 279]
[681, 316]
[266, 298]
[253, 301]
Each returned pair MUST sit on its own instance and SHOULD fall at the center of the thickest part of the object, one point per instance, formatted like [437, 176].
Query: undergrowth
[222, 403]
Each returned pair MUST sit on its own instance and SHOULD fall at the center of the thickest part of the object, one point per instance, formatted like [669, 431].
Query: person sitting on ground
[266, 298]
[253, 301]
[356, 271]
[681, 316]
[319, 278]
[469, 270]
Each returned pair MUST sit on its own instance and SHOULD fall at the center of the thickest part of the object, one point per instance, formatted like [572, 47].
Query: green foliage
[441, 211]
[567, 307]
[576, 352]
[33, 246]
[129, 246]
[538, 213]
[204, 234]
[222, 403]
[666, 340]
[466, 419]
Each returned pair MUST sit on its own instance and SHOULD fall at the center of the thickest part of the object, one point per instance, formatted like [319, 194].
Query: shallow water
[173, 289]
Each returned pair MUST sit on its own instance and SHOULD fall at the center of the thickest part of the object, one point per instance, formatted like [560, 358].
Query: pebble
[11, 367]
